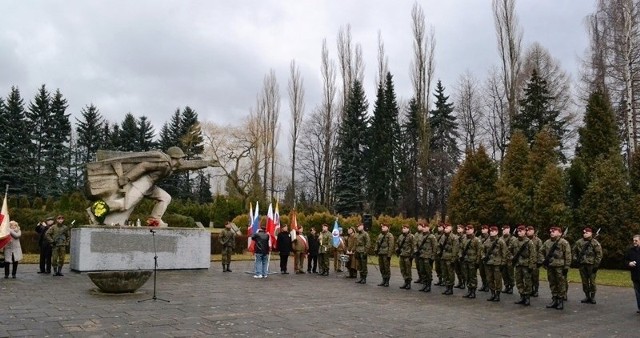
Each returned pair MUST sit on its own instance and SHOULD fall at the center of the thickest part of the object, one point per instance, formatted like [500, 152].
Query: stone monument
[118, 181]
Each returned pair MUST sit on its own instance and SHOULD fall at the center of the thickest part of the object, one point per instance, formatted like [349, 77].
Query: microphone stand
[155, 270]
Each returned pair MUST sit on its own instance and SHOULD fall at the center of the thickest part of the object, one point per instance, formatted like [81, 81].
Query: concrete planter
[119, 281]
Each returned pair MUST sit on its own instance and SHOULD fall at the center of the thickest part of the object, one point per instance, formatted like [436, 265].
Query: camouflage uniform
[58, 236]
[448, 252]
[325, 242]
[457, 266]
[494, 254]
[556, 256]
[587, 254]
[362, 247]
[228, 240]
[425, 252]
[438, 261]
[508, 268]
[525, 261]
[483, 273]
[384, 245]
[535, 272]
[417, 239]
[404, 249]
[470, 257]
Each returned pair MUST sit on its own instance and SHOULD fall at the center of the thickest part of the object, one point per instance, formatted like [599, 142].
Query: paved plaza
[212, 303]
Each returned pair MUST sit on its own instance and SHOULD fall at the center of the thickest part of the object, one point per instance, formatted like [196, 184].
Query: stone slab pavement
[213, 303]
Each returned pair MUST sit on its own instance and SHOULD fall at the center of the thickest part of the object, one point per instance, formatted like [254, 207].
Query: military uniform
[587, 253]
[494, 254]
[404, 249]
[58, 236]
[323, 253]
[458, 264]
[426, 250]
[508, 270]
[483, 273]
[535, 272]
[352, 264]
[336, 252]
[362, 247]
[300, 247]
[438, 262]
[524, 261]
[555, 254]
[417, 238]
[470, 257]
[228, 241]
[384, 244]
[448, 252]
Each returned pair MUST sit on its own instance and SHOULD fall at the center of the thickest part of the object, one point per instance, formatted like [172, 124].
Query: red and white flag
[271, 227]
[5, 235]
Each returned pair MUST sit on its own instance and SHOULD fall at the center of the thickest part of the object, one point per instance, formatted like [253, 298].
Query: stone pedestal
[108, 248]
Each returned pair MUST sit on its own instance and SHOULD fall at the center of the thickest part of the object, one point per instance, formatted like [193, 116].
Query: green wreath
[100, 209]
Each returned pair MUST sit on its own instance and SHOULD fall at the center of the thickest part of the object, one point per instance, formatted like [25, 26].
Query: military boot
[382, 283]
[553, 304]
[363, 280]
[424, 287]
[593, 298]
[493, 296]
[497, 298]
[535, 292]
[386, 282]
[508, 289]
[357, 282]
[527, 300]
[224, 268]
[587, 298]
[560, 304]
[439, 283]
[404, 286]
[521, 301]
[449, 290]
[228, 269]
[472, 294]
[408, 282]
[461, 285]
[467, 294]
[59, 271]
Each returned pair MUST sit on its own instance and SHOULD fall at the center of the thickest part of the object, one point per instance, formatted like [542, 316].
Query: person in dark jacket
[283, 245]
[314, 246]
[261, 249]
[45, 248]
[632, 260]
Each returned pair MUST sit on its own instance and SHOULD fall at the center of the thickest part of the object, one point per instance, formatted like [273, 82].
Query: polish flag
[271, 227]
[5, 235]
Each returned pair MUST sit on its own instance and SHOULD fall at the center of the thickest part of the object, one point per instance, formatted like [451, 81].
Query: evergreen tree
[444, 152]
[549, 205]
[536, 113]
[204, 187]
[15, 143]
[409, 161]
[39, 119]
[58, 152]
[129, 135]
[190, 134]
[383, 150]
[90, 131]
[114, 140]
[146, 134]
[473, 189]
[349, 188]
[513, 199]
[605, 206]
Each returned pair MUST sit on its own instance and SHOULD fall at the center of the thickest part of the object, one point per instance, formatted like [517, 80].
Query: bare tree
[328, 119]
[496, 123]
[350, 63]
[296, 106]
[469, 106]
[269, 110]
[509, 36]
[594, 67]
[383, 62]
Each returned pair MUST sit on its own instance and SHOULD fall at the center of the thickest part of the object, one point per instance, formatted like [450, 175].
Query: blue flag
[336, 234]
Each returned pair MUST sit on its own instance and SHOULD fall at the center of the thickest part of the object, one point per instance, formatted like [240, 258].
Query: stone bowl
[119, 281]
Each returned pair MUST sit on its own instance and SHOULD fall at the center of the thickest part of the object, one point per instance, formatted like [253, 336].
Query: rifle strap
[492, 248]
[520, 251]
[552, 251]
[466, 248]
[404, 238]
[584, 251]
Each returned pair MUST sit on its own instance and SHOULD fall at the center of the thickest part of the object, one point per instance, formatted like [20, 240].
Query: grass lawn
[605, 277]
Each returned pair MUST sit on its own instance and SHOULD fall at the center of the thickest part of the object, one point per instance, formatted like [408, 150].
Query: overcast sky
[151, 57]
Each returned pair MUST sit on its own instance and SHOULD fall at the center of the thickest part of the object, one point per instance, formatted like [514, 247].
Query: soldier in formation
[384, 244]
[555, 254]
[58, 237]
[524, 261]
[404, 250]
[324, 251]
[495, 255]
[352, 265]
[437, 261]
[448, 253]
[460, 230]
[484, 235]
[507, 268]
[425, 252]
[470, 256]
[535, 272]
[587, 253]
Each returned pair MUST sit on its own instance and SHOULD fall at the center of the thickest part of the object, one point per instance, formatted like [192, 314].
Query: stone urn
[120, 281]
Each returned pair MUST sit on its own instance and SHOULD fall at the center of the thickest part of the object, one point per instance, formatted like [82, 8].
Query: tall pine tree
[14, 145]
[409, 161]
[349, 187]
[89, 130]
[129, 135]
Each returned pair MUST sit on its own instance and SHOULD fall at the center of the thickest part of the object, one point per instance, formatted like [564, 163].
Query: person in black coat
[283, 244]
[314, 247]
[632, 260]
[45, 247]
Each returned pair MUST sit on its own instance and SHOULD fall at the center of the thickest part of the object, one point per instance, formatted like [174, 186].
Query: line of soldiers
[514, 259]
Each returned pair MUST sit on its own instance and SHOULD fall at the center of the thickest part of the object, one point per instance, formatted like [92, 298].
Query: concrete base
[108, 248]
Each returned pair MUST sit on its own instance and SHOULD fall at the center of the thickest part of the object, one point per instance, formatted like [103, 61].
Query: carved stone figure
[123, 179]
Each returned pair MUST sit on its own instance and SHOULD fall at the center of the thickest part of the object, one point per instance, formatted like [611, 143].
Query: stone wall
[100, 248]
